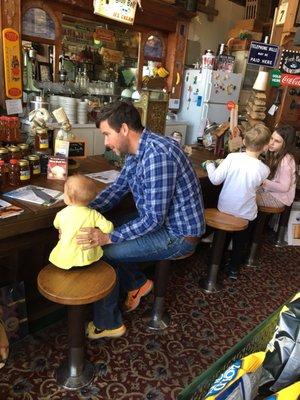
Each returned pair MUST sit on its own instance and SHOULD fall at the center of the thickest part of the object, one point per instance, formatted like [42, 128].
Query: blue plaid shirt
[165, 189]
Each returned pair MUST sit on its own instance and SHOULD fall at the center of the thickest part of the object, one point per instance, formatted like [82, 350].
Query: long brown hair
[273, 159]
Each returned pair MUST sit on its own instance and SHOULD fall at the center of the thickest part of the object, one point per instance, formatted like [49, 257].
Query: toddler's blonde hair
[257, 137]
[80, 189]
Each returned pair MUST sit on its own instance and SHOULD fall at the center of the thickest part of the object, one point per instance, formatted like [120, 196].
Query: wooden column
[10, 17]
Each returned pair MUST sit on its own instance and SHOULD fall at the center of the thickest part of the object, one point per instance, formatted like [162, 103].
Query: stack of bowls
[54, 102]
[69, 104]
[82, 112]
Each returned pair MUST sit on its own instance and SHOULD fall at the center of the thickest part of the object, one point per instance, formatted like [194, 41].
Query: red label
[11, 36]
[290, 80]
[14, 92]
[230, 105]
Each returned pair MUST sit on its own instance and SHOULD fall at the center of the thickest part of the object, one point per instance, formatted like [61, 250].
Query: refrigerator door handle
[204, 112]
[208, 91]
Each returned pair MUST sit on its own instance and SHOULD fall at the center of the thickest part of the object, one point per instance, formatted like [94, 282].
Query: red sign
[290, 80]
[230, 105]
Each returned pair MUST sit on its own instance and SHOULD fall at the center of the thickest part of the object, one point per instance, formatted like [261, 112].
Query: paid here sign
[263, 54]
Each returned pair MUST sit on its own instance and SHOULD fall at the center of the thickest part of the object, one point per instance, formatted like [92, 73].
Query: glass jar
[14, 152]
[2, 174]
[24, 171]
[4, 154]
[34, 164]
[14, 172]
[24, 147]
[42, 141]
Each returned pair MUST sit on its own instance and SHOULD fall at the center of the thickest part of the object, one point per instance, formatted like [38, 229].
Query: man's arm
[112, 195]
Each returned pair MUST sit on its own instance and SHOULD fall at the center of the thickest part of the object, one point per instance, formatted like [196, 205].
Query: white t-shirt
[242, 175]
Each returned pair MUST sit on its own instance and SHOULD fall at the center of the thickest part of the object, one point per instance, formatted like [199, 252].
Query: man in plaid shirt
[169, 219]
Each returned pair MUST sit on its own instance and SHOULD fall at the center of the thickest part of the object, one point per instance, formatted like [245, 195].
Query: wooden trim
[37, 39]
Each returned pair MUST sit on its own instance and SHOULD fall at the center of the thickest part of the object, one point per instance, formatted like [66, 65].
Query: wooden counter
[27, 239]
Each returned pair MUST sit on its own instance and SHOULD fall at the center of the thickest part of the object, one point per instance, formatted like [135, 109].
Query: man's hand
[92, 237]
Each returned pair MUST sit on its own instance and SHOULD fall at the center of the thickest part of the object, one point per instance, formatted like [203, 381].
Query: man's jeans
[124, 256]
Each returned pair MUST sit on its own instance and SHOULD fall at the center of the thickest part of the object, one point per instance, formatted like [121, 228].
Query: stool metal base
[280, 242]
[158, 318]
[252, 260]
[76, 382]
[209, 287]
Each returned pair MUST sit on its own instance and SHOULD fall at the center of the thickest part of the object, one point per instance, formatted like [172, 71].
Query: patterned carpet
[143, 365]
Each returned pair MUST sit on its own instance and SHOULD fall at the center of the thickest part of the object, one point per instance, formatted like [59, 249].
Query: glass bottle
[14, 172]
[2, 174]
[14, 152]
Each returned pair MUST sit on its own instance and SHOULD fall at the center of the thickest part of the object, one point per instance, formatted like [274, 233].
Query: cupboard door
[99, 147]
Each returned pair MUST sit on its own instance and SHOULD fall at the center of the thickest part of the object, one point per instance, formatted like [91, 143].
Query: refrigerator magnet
[199, 101]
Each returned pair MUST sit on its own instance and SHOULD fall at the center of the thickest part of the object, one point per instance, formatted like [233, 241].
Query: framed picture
[45, 72]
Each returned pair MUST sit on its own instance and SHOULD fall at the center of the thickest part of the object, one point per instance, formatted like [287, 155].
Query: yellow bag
[291, 392]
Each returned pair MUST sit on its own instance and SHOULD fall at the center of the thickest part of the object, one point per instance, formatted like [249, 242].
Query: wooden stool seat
[225, 222]
[271, 210]
[75, 288]
[82, 285]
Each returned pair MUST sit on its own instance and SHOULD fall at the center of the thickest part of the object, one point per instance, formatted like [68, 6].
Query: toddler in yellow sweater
[79, 191]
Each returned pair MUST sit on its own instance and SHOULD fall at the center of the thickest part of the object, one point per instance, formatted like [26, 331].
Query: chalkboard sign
[77, 149]
[263, 54]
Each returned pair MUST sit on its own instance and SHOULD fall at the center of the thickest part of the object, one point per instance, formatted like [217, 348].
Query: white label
[14, 106]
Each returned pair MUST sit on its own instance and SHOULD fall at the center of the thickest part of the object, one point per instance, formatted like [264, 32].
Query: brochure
[105, 176]
[36, 194]
[9, 210]
[57, 168]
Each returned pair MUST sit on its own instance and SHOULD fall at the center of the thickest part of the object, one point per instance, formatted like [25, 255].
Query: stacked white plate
[82, 112]
[54, 102]
[69, 104]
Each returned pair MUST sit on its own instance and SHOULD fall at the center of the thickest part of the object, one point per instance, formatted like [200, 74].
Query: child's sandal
[4, 345]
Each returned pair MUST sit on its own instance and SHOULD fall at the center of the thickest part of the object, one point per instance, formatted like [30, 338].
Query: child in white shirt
[241, 175]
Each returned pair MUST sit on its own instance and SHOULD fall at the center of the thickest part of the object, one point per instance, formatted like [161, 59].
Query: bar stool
[223, 223]
[158, 318]
[283, 223]
[263, 212]
[76, 288]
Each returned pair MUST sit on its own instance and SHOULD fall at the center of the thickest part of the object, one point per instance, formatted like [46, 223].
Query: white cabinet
[176, 126]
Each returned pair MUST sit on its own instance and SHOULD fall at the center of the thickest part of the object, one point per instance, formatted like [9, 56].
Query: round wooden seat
[76, 288]
[225, 222]
[82, 285]
[271, 210]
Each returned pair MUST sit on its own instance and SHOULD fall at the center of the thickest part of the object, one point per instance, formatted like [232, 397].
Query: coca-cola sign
[290, 80]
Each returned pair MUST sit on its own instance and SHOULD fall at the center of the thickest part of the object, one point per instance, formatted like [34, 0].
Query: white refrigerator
[204, 99]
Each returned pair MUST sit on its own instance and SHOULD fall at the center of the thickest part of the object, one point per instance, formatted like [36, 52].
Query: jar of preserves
[4, 154]
[42, 141]
[24, 171]
[14, 152]
[14, 172]
[24, 147]
[34, 164]
[2, 174]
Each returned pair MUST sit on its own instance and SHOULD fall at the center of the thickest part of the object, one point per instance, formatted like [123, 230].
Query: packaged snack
[239, 381]
[289, 393]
